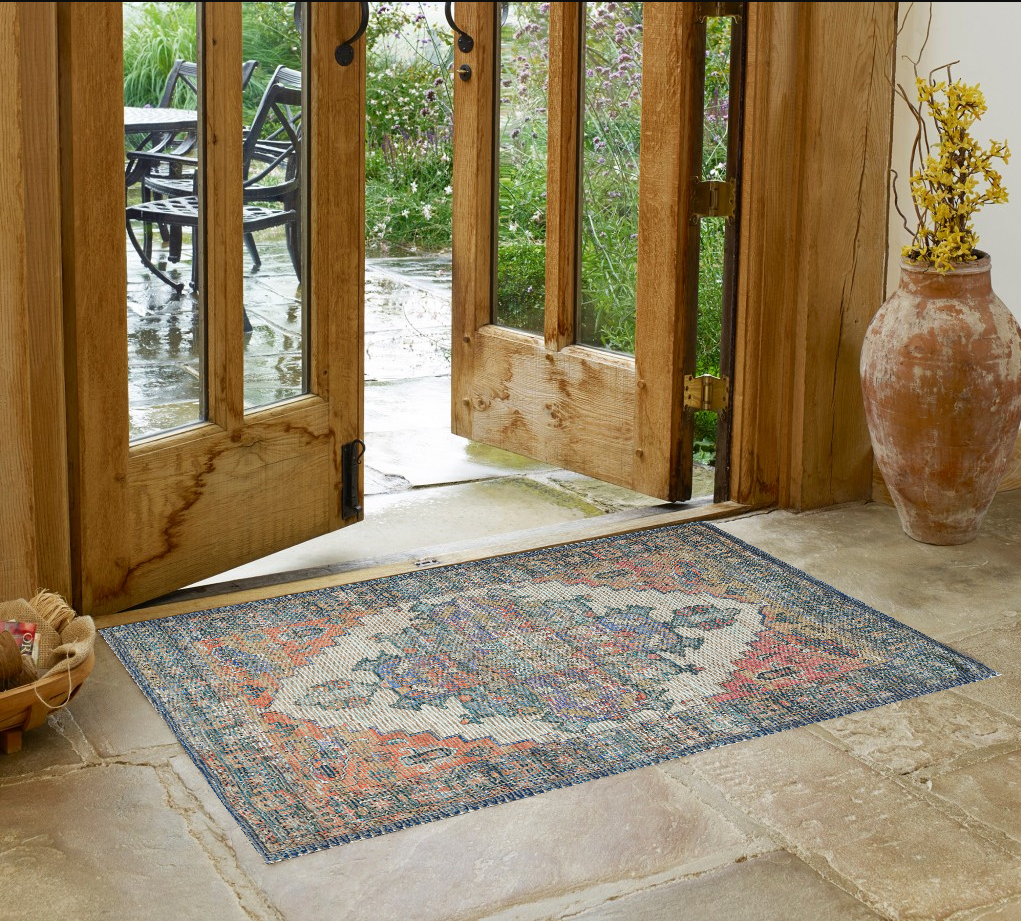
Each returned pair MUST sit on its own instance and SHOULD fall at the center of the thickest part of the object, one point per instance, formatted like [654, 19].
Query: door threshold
[257, 588]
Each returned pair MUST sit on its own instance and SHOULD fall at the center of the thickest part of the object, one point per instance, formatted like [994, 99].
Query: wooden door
[154, 515]
[545, 394]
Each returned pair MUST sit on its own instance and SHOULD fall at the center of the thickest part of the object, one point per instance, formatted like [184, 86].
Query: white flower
[414, 186]
[449, 190]
[427, 211]
[405, 213]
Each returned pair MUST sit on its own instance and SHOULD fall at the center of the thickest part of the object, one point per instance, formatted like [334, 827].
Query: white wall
[986, 38]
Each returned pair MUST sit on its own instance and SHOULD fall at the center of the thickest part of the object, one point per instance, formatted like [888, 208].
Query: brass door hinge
[713, 198]
[704, 11]
[706, 393]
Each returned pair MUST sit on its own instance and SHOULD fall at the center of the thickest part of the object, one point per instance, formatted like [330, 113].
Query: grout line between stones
[624, 888]
[215, 845]
[918, 783]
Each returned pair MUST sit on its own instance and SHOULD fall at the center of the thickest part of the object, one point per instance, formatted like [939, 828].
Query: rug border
[888, 618]
[110, 635]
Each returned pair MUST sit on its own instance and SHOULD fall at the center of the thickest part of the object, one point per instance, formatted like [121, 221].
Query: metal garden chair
[272, 181]
[161, 155]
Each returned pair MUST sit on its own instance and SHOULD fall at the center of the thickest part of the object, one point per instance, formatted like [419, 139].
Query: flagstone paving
[911, 811]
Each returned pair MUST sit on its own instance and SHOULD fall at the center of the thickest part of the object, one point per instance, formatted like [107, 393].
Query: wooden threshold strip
[203, 598]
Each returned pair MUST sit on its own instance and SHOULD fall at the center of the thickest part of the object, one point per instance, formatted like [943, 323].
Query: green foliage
[710, 295]
[521, 232]
[611, 147]
[155, 36]
[521, 281]
[409, 130]
[269, 36]
[705, 439]
[716, 99]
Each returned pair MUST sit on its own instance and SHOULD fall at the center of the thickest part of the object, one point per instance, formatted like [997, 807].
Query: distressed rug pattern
[342, 713]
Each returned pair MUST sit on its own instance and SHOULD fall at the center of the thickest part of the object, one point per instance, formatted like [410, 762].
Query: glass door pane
[612, 116]
[165, 316]
[521, 217]
[275, 180]
[714, 237]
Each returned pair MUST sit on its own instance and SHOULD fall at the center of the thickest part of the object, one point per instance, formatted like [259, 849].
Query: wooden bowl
[24, 708]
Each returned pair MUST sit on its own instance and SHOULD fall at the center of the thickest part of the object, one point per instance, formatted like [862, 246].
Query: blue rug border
[854, 602]
[113, 640]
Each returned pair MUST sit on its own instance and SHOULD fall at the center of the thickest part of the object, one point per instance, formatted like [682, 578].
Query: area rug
[342, 713]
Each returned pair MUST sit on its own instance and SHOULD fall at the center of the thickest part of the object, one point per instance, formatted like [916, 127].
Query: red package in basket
[26, 636]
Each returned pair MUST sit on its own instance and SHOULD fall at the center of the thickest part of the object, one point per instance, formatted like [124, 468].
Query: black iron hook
[464, 41]
[345, 54]
[351, 455]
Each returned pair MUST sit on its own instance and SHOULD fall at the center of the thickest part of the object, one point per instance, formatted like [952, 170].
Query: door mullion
[668, 166]
[695, 117]
[563, 184]
[735, 111]
[218, 240]
[473, 292]
[334, 131]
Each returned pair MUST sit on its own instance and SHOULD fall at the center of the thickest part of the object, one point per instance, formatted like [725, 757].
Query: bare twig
[916, 146]
[928, 29]
[946, 67]
[921, 140]
[904, 20]
[896, 203]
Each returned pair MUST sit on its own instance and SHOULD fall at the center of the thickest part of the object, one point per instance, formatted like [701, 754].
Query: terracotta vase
[941, 378]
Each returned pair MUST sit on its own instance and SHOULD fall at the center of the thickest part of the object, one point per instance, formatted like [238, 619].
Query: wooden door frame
[178, 497]
[816, 157]
[812, 257]
[818, 107]
[615, 417]
[34, 514]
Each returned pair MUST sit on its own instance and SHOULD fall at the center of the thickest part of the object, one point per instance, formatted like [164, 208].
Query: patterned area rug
[341, 713]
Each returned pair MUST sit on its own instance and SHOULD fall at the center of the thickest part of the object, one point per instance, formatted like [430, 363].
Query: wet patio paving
[423, 485]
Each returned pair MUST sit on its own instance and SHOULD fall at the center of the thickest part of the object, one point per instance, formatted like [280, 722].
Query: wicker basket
[27, 707]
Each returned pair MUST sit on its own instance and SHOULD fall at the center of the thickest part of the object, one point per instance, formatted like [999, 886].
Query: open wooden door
[550, 389]
[152, 515]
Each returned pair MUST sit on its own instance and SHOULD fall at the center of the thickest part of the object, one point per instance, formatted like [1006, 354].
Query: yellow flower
[948, 187]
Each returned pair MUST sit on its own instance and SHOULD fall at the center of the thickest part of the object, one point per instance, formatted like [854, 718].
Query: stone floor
[910, 811]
